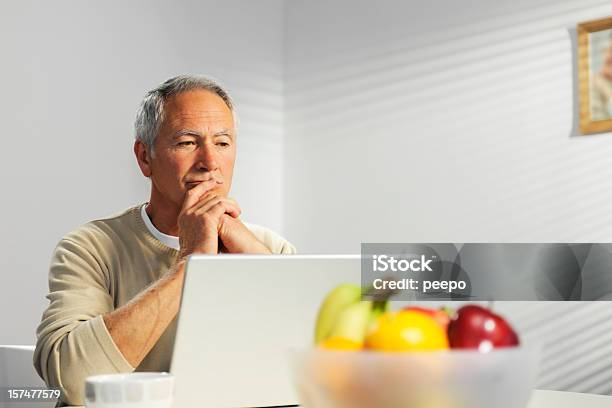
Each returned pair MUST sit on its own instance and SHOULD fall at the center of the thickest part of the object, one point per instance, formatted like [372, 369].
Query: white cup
[135, 390]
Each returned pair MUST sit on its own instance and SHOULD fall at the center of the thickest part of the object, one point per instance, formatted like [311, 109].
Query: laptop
[241, 317]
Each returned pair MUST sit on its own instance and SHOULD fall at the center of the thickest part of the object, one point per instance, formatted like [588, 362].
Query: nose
[207, 158]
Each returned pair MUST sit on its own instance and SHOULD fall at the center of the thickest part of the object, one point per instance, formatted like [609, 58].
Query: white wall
[439, 121]
[73, 75]
[451, 121]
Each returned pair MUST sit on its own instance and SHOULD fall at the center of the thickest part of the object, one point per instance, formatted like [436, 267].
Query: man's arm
[137, 326]
[72, 340]
[204, 218]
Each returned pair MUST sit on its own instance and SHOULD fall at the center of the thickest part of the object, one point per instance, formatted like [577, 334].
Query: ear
[143, 157]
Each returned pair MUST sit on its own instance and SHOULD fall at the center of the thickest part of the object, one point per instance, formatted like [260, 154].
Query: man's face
[196, 142]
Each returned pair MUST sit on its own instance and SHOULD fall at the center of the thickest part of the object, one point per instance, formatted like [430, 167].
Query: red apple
[476, 327]
[441, 316]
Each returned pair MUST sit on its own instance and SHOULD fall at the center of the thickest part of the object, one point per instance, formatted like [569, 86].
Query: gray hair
[151, 111]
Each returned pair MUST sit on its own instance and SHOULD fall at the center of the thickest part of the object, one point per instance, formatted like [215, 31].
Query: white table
[560, 399]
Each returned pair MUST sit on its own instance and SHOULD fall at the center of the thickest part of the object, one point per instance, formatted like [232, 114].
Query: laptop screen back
[240, 318]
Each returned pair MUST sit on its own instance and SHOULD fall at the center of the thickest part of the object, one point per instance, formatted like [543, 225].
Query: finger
[217, 210]
[233, 209]
[236, 206]
[193, 195]
[206, 202]
[211, 198]
[206, 198]
[230, 207]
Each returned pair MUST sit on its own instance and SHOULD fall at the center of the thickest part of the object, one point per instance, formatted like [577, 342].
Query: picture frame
[594, 40]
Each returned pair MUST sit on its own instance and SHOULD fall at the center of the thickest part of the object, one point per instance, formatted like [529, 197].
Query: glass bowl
[501, 378]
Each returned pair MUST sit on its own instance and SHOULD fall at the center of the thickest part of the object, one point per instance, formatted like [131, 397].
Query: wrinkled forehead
[197, 109]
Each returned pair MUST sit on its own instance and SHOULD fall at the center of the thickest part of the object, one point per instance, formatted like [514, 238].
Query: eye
[223, 144]
[186, 143]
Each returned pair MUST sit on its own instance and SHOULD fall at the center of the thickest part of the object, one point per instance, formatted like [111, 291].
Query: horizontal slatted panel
[576, 339]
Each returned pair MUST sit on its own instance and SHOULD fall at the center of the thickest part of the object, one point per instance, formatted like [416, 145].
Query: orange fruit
[406, 330]
[340, 343]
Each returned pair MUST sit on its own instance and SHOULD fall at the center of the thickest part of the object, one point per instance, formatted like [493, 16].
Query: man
[115, 283]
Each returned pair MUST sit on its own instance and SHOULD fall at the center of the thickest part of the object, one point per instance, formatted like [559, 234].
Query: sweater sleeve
[72, 339]
[274, 242]
[287, 248]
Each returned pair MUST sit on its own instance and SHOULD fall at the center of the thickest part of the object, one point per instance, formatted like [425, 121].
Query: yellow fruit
[406, 331]
[340, 343]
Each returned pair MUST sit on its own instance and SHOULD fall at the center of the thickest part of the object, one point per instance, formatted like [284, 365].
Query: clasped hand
[206, 219]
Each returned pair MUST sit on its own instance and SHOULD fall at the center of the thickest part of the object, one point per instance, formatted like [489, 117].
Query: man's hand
[207, 218]
[199, 219]
[237, 238]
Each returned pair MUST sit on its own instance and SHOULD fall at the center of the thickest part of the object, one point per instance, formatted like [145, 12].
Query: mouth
[192, 184]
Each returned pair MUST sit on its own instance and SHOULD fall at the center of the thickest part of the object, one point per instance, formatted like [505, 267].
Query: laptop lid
[240, 318]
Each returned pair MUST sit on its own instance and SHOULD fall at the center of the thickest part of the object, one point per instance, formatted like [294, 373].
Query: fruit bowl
[501, 378]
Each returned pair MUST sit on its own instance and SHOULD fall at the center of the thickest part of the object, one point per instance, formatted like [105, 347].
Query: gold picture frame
[595, 75]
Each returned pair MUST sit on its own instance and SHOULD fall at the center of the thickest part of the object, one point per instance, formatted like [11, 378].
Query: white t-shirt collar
[168, 240]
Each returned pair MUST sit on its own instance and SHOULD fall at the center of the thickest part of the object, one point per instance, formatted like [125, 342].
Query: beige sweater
[94, 270]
